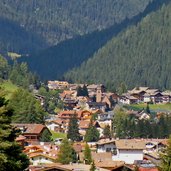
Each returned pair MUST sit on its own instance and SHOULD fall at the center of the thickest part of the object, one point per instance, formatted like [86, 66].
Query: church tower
[99, 94]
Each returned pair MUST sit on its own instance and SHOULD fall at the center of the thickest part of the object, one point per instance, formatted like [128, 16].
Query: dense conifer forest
[53, 62]
[138, 56]
[47, 22]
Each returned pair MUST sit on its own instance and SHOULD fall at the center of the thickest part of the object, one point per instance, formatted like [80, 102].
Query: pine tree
[11, 156]
[166, 158]
[92, 134]
[46, 136]
[66, 153]
[85, 91]
[26, 108]
[148, 109]
[73, 130]
[87, 154]
[107, 132]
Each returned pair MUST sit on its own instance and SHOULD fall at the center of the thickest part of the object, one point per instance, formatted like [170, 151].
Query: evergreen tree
[82, 91]
[3, 67]
[93, 167]
[107, 132]
[73, 130]
[79, 91]
[66, 153]
[92, 134]
[85, 91]
[11, 156]
[122, 88]
[26, 108]
[46, 136]
[166, 158]
[148, 109]
[87, 154]
[118, 123]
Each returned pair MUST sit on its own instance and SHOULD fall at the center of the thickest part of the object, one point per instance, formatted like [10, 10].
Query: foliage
[3, 67]
[26, 108]
[133, 54]
[73, 52]
[73, 129]
[107, 132]
[87, 154]
[148, 109]
[20, 75]
[92, 134]
[33, 25]
[9, 88]
[11, 156]
[66, 153]
[46, 136]
[17, 73]
[122, 88]
[118, 123]
[166, 158]
[128, 126]
[82, 91]
[51, 99]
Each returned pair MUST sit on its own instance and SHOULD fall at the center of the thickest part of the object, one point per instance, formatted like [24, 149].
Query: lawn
[57, 135]
[9, 88]
[153, 107]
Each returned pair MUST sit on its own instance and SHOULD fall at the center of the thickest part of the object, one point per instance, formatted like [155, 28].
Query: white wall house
[128, 155]
[126, 150]
[106, 146]
[38, 159]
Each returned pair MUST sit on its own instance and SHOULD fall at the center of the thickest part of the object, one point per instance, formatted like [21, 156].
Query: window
[108, 149]
[114, 151]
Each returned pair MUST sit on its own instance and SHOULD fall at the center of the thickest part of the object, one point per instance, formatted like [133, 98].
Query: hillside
[47, 22]
[138, 56]
[53, 62]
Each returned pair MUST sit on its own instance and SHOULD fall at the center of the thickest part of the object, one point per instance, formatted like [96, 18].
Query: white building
[37, 159]
[127, 150]
[106, 146]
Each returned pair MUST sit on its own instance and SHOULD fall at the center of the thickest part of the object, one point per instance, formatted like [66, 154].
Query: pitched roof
[20, 138]
[30, 128]
[84, 124]
[130, 144]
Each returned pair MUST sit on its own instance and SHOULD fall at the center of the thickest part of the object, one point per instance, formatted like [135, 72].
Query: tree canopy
[92, 134]
[166, 157]
[87, 154]
[26, 108]
[140, 56]
[73, 129]
[33, 25]
[11, 156]
[66, 153]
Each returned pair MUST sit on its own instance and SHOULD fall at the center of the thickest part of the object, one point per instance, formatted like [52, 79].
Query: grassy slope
[153, 107]
[9, 88]
[57, 135]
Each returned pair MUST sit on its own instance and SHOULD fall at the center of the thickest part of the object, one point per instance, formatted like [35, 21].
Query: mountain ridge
[139, 56]
[71, 53]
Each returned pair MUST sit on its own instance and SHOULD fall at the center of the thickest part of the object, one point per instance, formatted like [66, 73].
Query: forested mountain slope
[14, 38]
[54, 21]
[139, 56]
[55, 61]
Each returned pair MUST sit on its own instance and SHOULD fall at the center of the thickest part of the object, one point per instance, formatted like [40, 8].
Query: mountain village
[108, 152]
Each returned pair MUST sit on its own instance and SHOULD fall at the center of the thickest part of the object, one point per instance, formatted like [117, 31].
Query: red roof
[30, 128]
